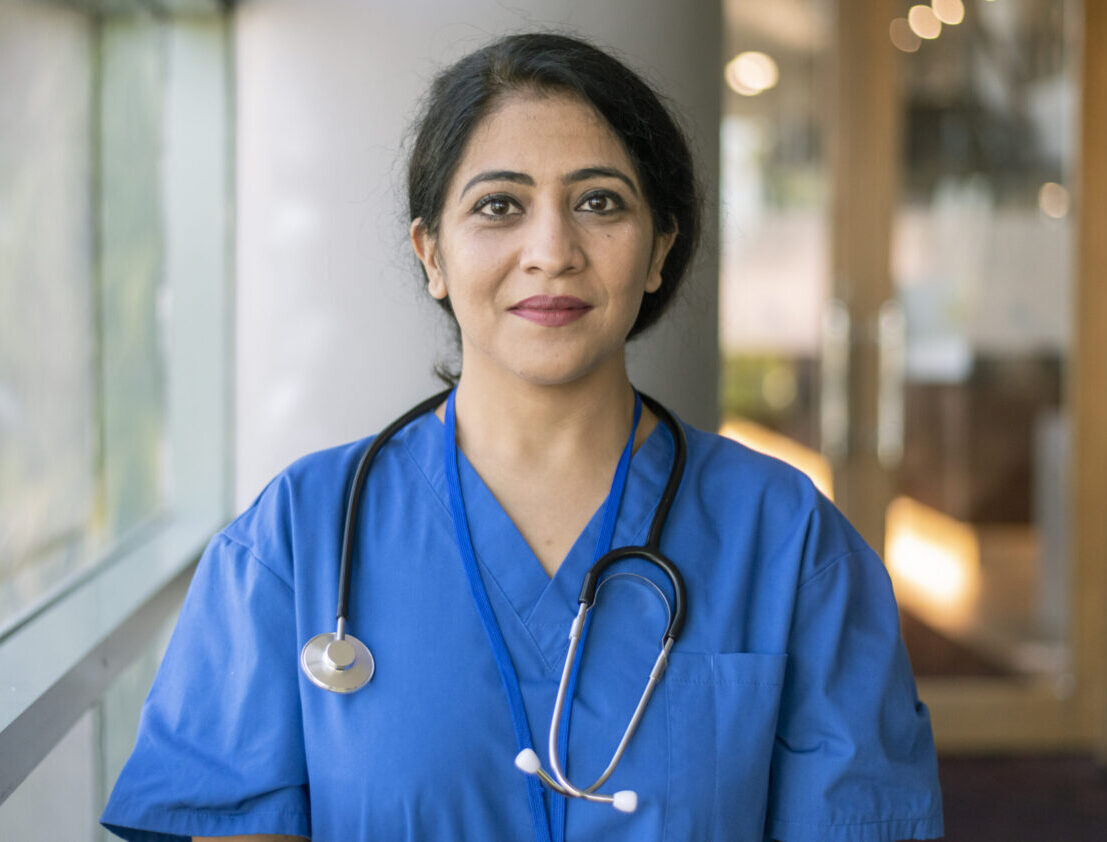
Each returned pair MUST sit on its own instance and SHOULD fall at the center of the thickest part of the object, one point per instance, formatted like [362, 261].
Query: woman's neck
[540, 425]
[547, 453]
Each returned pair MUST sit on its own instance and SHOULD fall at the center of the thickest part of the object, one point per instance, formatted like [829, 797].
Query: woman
[554, 211]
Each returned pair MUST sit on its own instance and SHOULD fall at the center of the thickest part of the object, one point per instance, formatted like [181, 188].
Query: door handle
[891, 341]
[834, 417]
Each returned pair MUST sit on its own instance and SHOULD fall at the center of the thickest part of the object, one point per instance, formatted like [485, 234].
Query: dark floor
[1008, 799]
[1024, 799]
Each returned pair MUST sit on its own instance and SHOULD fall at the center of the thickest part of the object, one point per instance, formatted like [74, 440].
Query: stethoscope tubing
[653, 540]
[654, 556]
[651, 552]
[354, 499]
[676, 471]
[319, 664]
[566, 787]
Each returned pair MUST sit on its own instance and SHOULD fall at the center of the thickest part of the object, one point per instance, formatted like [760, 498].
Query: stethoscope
[339, 662]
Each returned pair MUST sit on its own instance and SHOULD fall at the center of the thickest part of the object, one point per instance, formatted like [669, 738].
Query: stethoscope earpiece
[625, 800]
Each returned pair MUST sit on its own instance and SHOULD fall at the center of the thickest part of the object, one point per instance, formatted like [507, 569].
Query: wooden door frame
[864, 167]
[1088, 390]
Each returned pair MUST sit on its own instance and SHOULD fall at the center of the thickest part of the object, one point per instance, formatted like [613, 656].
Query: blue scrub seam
[928, 817]
[834, 562]
[253, 554]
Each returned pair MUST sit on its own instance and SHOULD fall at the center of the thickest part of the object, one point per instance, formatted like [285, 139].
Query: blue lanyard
[544, 828]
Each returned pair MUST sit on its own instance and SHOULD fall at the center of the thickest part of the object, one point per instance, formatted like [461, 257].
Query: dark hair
[463, 94]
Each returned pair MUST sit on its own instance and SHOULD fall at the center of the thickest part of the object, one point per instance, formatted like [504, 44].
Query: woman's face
[545, 245]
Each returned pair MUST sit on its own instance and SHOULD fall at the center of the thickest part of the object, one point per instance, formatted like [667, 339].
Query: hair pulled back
[464, 93]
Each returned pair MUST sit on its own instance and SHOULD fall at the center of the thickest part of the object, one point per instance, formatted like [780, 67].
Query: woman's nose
[552, 245]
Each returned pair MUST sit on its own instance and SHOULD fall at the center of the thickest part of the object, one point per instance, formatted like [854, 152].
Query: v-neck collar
[544, 606]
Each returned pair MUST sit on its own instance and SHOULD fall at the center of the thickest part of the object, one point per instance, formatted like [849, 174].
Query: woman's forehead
[544, 135]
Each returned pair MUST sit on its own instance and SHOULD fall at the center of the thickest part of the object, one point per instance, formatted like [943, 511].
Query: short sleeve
[220, 742]
[854, 758]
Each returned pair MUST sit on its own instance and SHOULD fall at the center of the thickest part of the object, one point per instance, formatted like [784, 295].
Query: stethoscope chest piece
[339, 664]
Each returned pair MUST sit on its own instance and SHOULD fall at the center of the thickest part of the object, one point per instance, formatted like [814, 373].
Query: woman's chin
[565, 373]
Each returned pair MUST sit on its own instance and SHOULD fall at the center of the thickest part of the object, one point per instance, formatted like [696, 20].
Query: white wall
[334, 334]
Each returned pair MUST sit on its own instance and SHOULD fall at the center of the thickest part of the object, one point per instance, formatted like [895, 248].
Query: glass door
[898, 307]
[982, 267]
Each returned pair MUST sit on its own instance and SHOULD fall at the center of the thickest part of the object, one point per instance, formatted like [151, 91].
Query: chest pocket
[722, 712]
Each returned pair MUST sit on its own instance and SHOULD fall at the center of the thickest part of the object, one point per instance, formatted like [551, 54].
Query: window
[81, 275]
[115, 255]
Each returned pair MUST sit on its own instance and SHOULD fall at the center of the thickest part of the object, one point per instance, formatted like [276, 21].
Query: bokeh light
[948, 11]
[924, 22]
[903, 37]
[1053, 199]
[751, 72]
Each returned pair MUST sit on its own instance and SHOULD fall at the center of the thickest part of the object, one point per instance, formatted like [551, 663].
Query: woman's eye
[496, 206]
[600, 203]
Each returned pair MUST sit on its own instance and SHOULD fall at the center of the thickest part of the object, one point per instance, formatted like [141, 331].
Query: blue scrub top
[788, 710]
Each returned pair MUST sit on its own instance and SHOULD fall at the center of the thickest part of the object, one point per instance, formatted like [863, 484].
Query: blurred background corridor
[204, 274]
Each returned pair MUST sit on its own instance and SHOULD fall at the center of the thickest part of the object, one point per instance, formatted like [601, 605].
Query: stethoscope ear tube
[651, 551]
[676, 472]
[592, 578]
[354, 499]
[339, 662]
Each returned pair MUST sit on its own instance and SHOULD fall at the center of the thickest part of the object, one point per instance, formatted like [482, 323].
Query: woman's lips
[550, 310]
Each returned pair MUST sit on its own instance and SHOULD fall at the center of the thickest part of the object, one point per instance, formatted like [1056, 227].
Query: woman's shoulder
[310, 494]
[742, 485]
[732, 467]
[310, 490]
[311, 476]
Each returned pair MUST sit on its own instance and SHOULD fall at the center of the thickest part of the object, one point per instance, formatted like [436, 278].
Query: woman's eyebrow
[599, 172]
[571, 178]
[498, 175]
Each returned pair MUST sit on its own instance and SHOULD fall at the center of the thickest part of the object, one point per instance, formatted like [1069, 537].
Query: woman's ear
[426, 249]
[662, 242]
